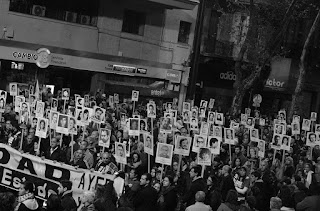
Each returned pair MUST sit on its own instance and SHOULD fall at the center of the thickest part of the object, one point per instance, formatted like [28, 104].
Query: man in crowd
[227, 181]
[197, 184]
[146, 198]
[65, 191]
[88, 157]
[199, 205]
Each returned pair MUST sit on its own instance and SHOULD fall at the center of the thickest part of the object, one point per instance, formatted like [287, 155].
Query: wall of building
[158, 44]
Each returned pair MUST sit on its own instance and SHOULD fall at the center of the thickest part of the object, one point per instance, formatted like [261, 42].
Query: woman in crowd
[231, 202]
[54, 203]
[168, 195]
[213, 195]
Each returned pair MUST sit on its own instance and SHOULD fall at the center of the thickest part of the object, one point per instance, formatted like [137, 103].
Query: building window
[83, 12]
[184, 32]
[133, 22]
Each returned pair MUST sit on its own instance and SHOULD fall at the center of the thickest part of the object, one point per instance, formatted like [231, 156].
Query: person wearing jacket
[213, 195]
[146, 197]
[197, 184]
[26, 199]
[231, 202]
[168, 195]
[65, 191]
[87, 201]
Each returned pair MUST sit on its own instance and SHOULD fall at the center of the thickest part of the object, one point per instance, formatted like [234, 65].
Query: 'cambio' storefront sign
[25, 56]
[230, 76]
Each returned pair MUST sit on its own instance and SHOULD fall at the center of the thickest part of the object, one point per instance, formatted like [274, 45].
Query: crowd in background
[289, 181]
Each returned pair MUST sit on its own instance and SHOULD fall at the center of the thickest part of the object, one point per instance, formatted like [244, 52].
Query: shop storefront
[85, 72]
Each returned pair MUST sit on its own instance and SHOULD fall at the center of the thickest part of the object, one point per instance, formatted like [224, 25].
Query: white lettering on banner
[27, 56]
[157, 92]
[44, 173]
[273, 82]
[228, 76]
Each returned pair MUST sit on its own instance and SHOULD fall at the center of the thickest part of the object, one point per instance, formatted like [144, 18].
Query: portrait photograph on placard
[86, 115]
[311, 139]
[254, 134]
[98, 115]
[169, 106]
[278, 129]
[104, 137]
[166, 125]
[120, 150]
[33, 101]
[65, 93]
[167, 115]
[217, 131]
[39, 109]
[204, 129]
[261, 148]
[135, 96]
[282, 116]
[202, 112]
[219, 118]
[54, 104]
[211, 116]
[134, 126]
[204, 156]
[164, 153]
[211, 103]
[243, 119]
[306, 124]
[3, 94]
[186, 106]
[247, 111]
[116, 98]
[143, 125]
[313, 116]
[295, 128]
[214, 143]
[71, 111]
[148, 144]
[42, 127]
[54, 119]
[234, 125]
[182, 145]
[79, 102]
[194, 113]
[17, 103]
[24, 113]
[151, 110]
[72, 126]
[62, 126]
[317, 128]
[250, 122]
[13, 89]
[285, 143]
[296, 118]
[262, 122]
[186, 117]
[194, 122]
[203, 104]
[198, 142]
[276, 141]
[229, 136]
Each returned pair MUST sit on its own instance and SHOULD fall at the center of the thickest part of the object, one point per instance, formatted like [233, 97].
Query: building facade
[113, 45]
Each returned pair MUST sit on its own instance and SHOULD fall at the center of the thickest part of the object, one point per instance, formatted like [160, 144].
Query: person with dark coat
[103, 198]
[213, 196]
[54, 153]
[168, 195]
[197, 184]
[146, 197]
[227, 182]
[26, 199]
[67, 201]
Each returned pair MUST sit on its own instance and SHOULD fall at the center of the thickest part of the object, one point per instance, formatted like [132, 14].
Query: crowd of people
[238, 177]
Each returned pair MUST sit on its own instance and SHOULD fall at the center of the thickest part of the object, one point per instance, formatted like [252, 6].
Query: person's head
[26, 187]
[79, 154]
[264, 165]
[275, 203]
[99, 112]
[307, 167]
[133, 173]
[65, 185]
[237, 162]
[54, 143]
[87, 198]
[135, 157]
[242, 171]
[212, 181]
[200, 196]
[195, 171]
[255, 176]
[237, 149]
[145, 179]
[157, 186]
[7, 201]
[226, 170]
[167, 181]
[84, 144]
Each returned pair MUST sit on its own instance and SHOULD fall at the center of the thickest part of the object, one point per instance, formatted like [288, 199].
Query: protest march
[67, 151]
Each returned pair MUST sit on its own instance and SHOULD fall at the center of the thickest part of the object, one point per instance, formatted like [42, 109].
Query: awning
[178, 4]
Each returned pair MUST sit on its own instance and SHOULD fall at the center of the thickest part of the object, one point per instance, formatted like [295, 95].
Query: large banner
[15, 167]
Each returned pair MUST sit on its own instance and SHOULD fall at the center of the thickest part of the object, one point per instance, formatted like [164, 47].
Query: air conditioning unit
[85, 19]
[39, 10]
[70, 17]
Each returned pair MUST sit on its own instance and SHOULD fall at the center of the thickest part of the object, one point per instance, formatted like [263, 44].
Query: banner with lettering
[15, 167]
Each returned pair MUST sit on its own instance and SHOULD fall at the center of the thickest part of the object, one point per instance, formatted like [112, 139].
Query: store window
[184, 32]
[83, 12]
[133, 22]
